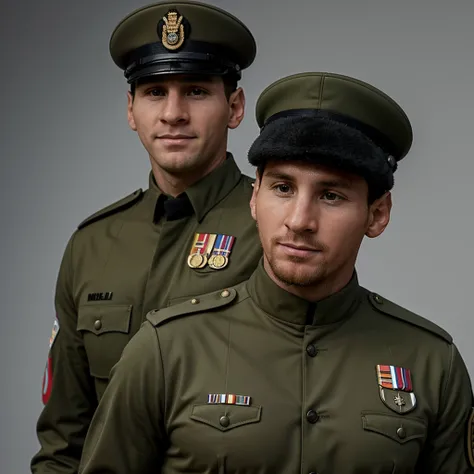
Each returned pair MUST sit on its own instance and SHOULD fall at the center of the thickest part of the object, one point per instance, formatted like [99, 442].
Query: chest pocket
[401, 429]
[105, 329]
[396, 440]
[226, 417]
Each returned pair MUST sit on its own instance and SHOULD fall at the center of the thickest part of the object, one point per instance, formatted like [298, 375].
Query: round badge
[196, 260]
[218, 262]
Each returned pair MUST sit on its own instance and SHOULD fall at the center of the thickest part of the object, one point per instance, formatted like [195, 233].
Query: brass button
[378, 299]
[224, 421]
[225, 294]
[98, 324]
[312, 416]
[401, 433]
[194, 301]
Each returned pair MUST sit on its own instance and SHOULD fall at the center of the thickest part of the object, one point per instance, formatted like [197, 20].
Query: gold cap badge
[172, 33]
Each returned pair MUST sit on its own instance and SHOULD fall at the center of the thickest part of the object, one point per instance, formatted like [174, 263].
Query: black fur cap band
[327, 141]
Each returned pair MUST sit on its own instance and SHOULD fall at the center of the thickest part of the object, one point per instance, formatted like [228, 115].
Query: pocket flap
[226, 417]
[100, 318]
[399, 428]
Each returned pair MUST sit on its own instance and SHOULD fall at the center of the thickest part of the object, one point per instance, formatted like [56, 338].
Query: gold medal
[200, 250]
[218, 262]
[196, 260]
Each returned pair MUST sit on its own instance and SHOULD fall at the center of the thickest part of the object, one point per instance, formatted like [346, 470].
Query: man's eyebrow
[324, 183]
[198, 78]
[278, 175]
[336, 183]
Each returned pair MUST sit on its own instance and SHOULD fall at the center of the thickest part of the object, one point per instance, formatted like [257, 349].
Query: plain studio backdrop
[66, 152]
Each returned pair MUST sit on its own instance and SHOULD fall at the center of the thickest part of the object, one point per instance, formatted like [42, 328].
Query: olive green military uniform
[120, 264]
[310, 371]
[148, 250]
[253, 379]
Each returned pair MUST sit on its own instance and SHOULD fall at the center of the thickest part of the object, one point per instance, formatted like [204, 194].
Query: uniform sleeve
[447, 447]
[126, 435]
[71, 401]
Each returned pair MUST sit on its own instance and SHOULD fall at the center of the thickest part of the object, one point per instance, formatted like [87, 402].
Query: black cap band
[379, 139]
[193, 57]
[319, 139]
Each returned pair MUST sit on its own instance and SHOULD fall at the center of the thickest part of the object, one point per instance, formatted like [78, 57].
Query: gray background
[67, 151]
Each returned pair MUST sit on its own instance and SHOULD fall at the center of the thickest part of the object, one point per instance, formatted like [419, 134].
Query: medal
[220, 255]
[202, 245]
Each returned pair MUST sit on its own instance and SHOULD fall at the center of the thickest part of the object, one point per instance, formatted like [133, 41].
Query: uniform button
[224, 421]
[194, 301]
[312, 416]
[98, 324]
[378, 299]
[401, 433]
[225, 294]
[312, 472]
[311, 350]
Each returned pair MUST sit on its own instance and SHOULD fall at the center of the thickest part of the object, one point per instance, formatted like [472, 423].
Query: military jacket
[121, 263]
[253, 379]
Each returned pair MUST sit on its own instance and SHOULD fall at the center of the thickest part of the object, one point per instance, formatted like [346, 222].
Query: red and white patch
[47, 380]
[48, 371]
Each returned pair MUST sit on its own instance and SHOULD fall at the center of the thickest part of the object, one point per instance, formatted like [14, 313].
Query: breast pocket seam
[214, 424]
[418, 424]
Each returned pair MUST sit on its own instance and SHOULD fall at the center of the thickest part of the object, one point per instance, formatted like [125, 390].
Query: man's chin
[297, 274]
[176, 162]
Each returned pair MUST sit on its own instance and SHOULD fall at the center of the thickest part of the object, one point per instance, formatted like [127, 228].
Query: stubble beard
[297, 274]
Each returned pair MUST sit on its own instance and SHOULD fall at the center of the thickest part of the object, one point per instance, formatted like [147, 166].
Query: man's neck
[316, 292]
[173, 184]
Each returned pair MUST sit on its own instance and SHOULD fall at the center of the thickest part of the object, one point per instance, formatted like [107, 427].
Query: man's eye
[283, 188]
[155, 92]
[328, 196]
[197, 92]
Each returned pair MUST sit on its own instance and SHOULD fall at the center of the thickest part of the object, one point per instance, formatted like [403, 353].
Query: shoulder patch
[112, 208]
[386, 306]
[199, 304]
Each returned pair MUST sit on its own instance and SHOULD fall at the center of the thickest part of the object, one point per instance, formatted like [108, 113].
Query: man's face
[311, 221]
[182, 122]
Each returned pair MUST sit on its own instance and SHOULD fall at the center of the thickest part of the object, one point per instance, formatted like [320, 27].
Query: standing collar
[280, 304]
[203, 195]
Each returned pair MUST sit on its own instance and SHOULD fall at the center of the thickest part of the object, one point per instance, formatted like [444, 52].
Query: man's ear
[379, 215]
[130, 117]
[236, 108]
[253, 200]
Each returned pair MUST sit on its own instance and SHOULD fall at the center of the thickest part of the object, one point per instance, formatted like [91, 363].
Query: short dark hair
[229, 80]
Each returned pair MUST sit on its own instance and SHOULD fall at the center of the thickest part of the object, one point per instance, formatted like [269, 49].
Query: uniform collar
[206, 193]
[290, 308]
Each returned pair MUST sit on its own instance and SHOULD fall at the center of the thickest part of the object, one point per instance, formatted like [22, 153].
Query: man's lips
[299, 246]
[169, 136]
[177, 140]
[298, 250]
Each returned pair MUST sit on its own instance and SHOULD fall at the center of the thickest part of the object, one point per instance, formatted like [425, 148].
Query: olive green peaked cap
[334, 120]
[184, 37]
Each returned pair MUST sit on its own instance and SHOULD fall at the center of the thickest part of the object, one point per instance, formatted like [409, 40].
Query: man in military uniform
[191, 232]
[298, 369]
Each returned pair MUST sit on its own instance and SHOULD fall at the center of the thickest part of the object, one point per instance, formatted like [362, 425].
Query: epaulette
[386, 306]
[199, 304]
[116, 206]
